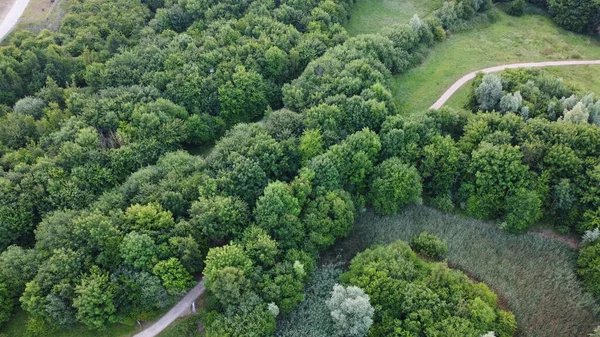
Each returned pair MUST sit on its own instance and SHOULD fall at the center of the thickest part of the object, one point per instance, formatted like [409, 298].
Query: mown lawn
[532, 275]
[370, 16]
[508, 40]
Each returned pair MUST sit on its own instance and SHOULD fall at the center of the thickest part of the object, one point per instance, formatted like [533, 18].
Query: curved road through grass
[12, 17]
[463, 80]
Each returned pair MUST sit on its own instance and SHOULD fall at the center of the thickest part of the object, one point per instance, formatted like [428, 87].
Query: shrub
[351, 311]
[443, 203]
[588, 267]
[517, 8]
[429, 245]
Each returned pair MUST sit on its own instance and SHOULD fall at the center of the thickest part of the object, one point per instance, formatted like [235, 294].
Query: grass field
[532, 275]
[41, 14]
[369, 16]
[508, 40]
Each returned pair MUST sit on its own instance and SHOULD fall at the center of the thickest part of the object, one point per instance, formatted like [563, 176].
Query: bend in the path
[458, 84]
[182, 308]
[12, 17]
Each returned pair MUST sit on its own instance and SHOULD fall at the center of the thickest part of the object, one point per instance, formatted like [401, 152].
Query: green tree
[440, 165]
[220, 217]
[139, 251]
[277, 212]
[244, 97]
[328, 217]
[497, 171]
[95, 301]
[394, 185]
[175, 278]
[588, 266]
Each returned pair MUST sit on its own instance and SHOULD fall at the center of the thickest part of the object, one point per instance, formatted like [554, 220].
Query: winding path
[446, 96]
[12, 17]
[182, 308]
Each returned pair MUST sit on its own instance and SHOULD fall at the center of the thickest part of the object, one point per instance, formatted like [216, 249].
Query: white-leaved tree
[579, 114]
[489, 92]
[351, 311]
[511, 102]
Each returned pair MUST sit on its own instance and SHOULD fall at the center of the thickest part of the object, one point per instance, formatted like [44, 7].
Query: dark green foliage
[578, 16]
[412, 296]
[517, 7]
[429, 245]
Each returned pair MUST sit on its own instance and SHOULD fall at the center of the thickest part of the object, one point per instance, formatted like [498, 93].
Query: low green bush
[429, 245]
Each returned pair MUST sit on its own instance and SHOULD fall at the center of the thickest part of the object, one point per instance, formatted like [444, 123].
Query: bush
[517, 8]
[429, 245]
[588, 267]
[351, 311]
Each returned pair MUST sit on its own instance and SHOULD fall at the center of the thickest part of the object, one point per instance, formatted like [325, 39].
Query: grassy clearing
[508, 40]
[533, 276]
[370, 16]
[41, 14]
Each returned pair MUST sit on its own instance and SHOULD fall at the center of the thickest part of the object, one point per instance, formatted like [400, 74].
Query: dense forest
[104, 217]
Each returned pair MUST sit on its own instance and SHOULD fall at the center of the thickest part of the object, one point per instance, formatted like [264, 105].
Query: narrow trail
[182, 308]
[12, 17]
[458, 84]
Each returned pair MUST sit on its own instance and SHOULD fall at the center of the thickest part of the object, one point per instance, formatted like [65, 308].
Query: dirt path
[12, 17]
[446, 96]
[182, 308]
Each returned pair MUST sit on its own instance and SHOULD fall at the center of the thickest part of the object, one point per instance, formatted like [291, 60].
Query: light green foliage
[259, 246]
[403, 292]
[350, 311]
[95, 301]
[498, 171]
[588, 266]
[232, 256]
[429, 245]
[578, 114]
[311, 145]
[523, 209]
[139, 251]
[328, 217]
[175, 278]
[219, 217]
[277, 212]
[395, 185]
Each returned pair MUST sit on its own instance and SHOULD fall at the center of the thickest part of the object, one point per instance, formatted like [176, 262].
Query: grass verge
[370, 16]
[529, 38]
[532, 275]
